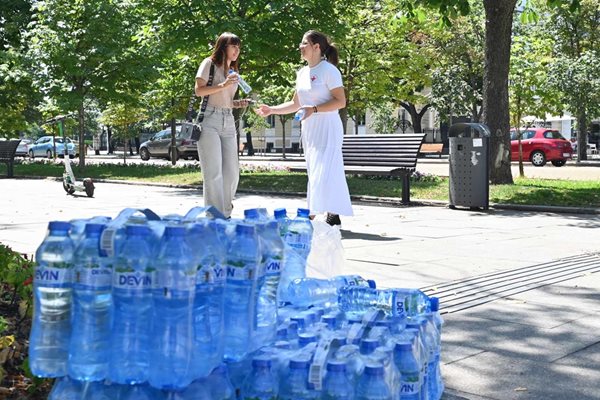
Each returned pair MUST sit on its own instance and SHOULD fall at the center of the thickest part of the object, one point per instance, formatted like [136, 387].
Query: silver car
[159, 146]
[23, 148]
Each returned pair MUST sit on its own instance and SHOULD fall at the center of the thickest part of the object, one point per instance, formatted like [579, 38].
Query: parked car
[541, 145]
[159, 146]
[44, 147]
[23, 148]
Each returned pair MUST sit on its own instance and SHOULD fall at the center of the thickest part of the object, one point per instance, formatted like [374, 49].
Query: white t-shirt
[314, 85]
[224, 98]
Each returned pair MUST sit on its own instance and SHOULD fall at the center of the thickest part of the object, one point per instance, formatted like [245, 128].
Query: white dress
[322, 136]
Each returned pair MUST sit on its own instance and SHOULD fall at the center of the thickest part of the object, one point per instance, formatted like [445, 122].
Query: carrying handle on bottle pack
[107, 239]
[196, 212]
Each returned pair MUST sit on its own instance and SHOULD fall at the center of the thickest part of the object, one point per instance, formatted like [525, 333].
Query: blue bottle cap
[94, 228]
[174, 231]
[272, 224]
[280, 213]
[413, 325]
[372, 283]
[299, 363]
[244, 229]
[367, 346]
[142, 230]
[336, 365]
[59, 226]
[261, 362]
[434, 303]
[330, 320]
[306, 338]
[403, 346]
[319, 311]
[299, 322]
[374, 369]
[282, 344]
[251, 213]
[303, 212]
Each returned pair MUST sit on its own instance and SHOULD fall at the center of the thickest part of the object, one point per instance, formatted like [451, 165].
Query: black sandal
[333, 219]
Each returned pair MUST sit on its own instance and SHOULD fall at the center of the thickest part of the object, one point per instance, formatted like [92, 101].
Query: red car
[541, 145]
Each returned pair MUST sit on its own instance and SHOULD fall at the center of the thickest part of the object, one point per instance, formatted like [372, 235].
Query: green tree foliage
[85, 49]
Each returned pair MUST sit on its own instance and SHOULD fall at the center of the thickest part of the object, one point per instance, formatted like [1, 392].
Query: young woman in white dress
[320, 93]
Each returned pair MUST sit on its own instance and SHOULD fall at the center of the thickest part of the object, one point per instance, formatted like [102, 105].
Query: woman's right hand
[264, 110]
[231, 79]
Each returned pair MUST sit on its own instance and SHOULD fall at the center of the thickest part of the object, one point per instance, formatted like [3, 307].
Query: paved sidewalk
[537, 340]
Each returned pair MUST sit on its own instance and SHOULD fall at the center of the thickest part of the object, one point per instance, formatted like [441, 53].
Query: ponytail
[328, 49]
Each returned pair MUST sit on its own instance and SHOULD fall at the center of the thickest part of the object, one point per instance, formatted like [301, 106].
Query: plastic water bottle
[397, 303]
[242, 83]
[261, 384]
[51, 325]
[294, 386]
[205, 259]
[337, 386]
[197, 390]
[139, 392]
[273, 253]
[92, 302]
[438, 322]
[220, 384]
[299, 114]
[415, 329]
[406, 360]
[132, 298]
[306, 292]
[298, 238]
[243, 260]
[372, 385]
[282, 219]
[66, 388]
[217, 245]
[172, 341]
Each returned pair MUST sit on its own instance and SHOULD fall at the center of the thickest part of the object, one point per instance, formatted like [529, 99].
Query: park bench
[431, 148]
[382, 155]
[8, 148]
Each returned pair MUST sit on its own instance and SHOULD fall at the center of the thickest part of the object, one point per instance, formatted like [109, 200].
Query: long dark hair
[219, 53]
[328, 49]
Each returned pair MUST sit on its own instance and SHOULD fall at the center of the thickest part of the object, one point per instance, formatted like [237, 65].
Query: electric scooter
[69, 182]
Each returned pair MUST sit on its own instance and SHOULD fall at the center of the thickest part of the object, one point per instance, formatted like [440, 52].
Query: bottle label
[176, 280]
[219, 274]
[240, 272]
[273, 266]
[297, 240]
[132, 280]
[408, 385]
[399, 307]
[45, 276]
[93, 277]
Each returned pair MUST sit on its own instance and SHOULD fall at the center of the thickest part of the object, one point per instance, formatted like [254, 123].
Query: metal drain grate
[471, 292]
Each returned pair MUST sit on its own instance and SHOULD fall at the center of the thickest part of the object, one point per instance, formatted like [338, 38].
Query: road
[586, 171]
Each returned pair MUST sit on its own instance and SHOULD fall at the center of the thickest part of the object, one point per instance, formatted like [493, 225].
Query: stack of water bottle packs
[197, 307]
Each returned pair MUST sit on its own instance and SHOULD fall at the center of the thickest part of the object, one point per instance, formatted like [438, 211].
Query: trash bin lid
[469, 129]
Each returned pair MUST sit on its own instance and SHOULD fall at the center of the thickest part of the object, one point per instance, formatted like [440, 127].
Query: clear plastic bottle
[438, 322]
[299, 114]
[261, 384]
[92, 303]
[372, 385]
[218, 241]
[398, 303]
[66, 388]
[220, 384]
[51, 325]
[132, 298]
[172, 340]
[407, 362]
[282, 219]
[306, 292]
[298, 238]
[272, 253]
[205, 261]
[337, 386]
[242, 83]
[243, 260]
[294, 386]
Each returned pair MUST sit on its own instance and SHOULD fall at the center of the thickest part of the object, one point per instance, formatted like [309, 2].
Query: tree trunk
[282, 120]
[415, 117]
[581, 136]
[498, 27]
[109, 139]
[344, 117]
[81, 117]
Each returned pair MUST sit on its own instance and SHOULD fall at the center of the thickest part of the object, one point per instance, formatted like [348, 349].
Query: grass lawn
[424, 187]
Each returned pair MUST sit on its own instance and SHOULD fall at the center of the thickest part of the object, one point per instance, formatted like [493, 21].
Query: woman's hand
[264, 110]
[241, 103]
[231, 79]
[308, 111]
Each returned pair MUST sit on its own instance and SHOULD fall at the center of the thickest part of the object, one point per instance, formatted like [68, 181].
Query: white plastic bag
[326, 258]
